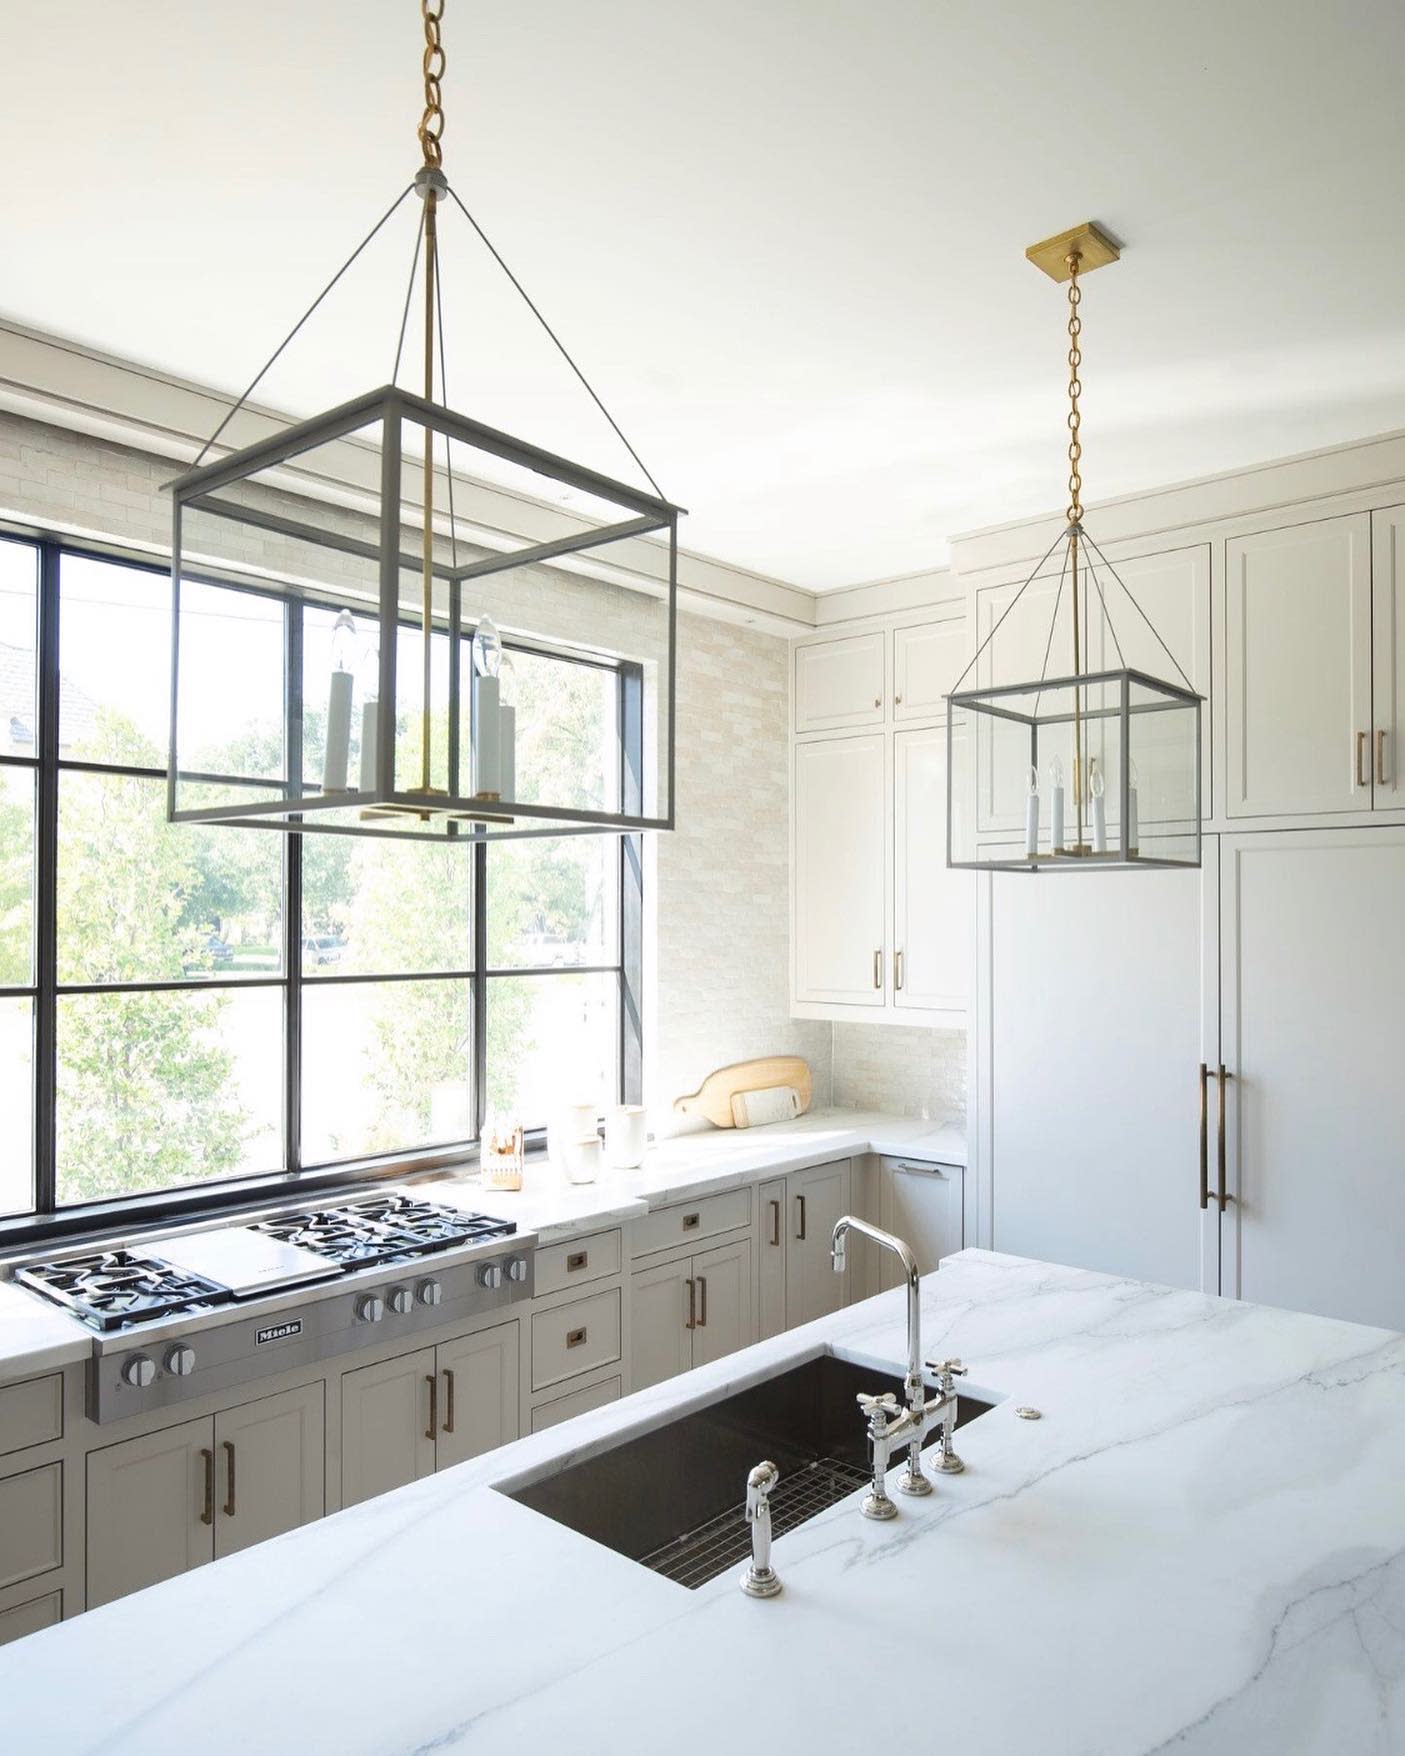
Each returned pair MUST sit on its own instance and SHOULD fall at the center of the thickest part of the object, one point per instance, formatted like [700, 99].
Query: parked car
[214, 953]
[322, 948]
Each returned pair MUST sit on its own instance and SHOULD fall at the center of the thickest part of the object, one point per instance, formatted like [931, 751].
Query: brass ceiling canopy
[1088, 242]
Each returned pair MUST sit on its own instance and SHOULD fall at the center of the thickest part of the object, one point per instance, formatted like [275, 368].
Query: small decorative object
[625, 1137]
[715, 1098]
[570, 1124]
[583, 1164]
[500, 1154]
[1087, 721]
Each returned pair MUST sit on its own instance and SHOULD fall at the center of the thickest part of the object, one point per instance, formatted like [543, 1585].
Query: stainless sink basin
[672, 1498]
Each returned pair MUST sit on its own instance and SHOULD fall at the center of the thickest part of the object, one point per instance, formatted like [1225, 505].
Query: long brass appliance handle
[1362, 779]
[207, 1512]
[800, 1218]
[692, 1322]
[1204, 1135]
[776, 1225]
[448, 1426]
[1222, 1196]
[432, 1380]
[230, 1504]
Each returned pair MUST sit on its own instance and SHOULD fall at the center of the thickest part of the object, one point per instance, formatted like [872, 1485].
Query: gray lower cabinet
[30, 1616]
[169, 1501]
[404, 1418]
[921, 1204]
[690, 1311]
[797, 1282]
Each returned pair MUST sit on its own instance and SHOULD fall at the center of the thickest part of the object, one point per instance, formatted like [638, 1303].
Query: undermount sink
[672, 1498]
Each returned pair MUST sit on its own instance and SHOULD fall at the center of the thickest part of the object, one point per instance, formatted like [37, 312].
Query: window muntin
[175, 1029]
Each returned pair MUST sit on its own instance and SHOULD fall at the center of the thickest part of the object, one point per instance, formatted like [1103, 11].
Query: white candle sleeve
[1031, 825]
[487, 718]
[1133, 827]
[1099, 824]
[1056, 819]
[370, 726]
[507, 751]
[338, 733]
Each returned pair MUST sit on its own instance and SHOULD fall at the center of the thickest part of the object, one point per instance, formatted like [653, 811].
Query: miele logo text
[277, 1331]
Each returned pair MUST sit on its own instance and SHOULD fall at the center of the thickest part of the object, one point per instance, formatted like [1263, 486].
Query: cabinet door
[838, 871]
[1173, 590]
[151, 1509]
[839, 683]
[1388, 650]
[480, 1393]
[921, 1204]
[927, 660]
[771, 1265]
[661, 1343]
[386, 1437]
[722, 1279]
[1298, 669]
[1102, 1006]
[817, 1199]
[1314, 1031]
[934, 908]
[269, 1459]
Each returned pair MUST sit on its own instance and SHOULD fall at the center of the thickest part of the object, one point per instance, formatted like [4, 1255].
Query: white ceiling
[784, 237]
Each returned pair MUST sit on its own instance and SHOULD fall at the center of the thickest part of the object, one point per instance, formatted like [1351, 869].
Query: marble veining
[1199, 1548]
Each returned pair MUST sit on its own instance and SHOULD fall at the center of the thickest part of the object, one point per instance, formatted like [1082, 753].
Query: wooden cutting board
[713, 1098]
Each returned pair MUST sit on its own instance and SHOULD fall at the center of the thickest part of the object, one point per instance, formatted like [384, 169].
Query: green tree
[16, 880]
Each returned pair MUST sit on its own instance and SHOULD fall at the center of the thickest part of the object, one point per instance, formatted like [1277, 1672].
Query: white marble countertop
[1200, 1547]
[38, 1337]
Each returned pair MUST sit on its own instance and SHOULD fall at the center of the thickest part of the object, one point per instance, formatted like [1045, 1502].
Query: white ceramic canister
[572, 1122]
[626, 1136]
[583, 1162]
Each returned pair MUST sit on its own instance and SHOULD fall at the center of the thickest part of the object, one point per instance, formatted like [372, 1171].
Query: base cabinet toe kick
[168, 1449]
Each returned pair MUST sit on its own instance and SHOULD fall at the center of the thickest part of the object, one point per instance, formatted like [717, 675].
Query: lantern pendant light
[383, 527]
[1124, 742]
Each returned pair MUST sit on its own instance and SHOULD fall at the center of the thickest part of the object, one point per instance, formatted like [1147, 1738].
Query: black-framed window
[188, 1012]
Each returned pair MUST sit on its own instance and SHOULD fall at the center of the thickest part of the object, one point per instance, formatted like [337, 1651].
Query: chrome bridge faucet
[887, 1428]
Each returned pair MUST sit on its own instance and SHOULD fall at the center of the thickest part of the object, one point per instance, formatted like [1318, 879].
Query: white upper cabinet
[840, 683]
[1388, 648]
[934, 909]
[1298, 669]
[838, 871]
[927, 660]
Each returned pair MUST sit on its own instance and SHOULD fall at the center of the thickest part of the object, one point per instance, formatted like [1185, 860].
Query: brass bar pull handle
[1362, 780]
[702, 1301]
[690, 1221]
[692, 1322]
[1204, 1135]
[432, 1380]
[776, 1225]
[448, 1401]
[207, 1511]
[576, 1337]
[800, 1218]
[878, 969]
[230, 1502]
[898, 972]
[577, 1260]
[1380, 759]
[1221, 1196]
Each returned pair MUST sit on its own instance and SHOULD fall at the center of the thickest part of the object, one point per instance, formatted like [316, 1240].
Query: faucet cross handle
[885, 1404]
[947, 1368]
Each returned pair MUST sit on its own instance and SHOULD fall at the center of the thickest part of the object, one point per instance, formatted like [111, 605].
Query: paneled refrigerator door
[1313, 953]
[1099, 1007]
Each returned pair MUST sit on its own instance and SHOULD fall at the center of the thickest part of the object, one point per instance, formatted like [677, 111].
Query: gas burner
[115, 1288]
[383, 1228]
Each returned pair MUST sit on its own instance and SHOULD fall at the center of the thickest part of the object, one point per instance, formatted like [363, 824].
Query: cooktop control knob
[400, 1301]
[139, 1371]
[490, 1276]
[180, 1360]
[430, 1292]
[517, 1269]
[370, 1308]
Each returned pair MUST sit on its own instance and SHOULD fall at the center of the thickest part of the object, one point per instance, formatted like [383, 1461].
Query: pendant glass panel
[549, 671]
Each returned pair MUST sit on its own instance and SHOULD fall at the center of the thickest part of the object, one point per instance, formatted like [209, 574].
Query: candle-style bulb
[338, 744]
[487, 648]
[344, 641]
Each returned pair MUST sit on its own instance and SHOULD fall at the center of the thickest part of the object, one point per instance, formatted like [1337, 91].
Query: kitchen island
[1199, 1546]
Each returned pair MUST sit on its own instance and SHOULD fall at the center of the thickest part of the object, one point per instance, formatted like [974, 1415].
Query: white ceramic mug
[572, 1122]
[625, 1137]
[583, 1160]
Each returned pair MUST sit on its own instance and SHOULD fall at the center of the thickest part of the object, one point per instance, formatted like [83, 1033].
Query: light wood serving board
[713, 1098]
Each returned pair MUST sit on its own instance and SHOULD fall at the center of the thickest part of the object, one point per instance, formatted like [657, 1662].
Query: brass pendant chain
[431, 134]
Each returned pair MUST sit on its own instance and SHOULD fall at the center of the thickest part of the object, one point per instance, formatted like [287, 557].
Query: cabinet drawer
[577, 1261]
[31, 1413]
[692, 1220]
[39, 1612]
[575, 1338]
[575, 1402]
[31, 1523]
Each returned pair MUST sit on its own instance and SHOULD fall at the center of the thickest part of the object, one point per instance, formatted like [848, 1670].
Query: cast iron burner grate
[725, 1541]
